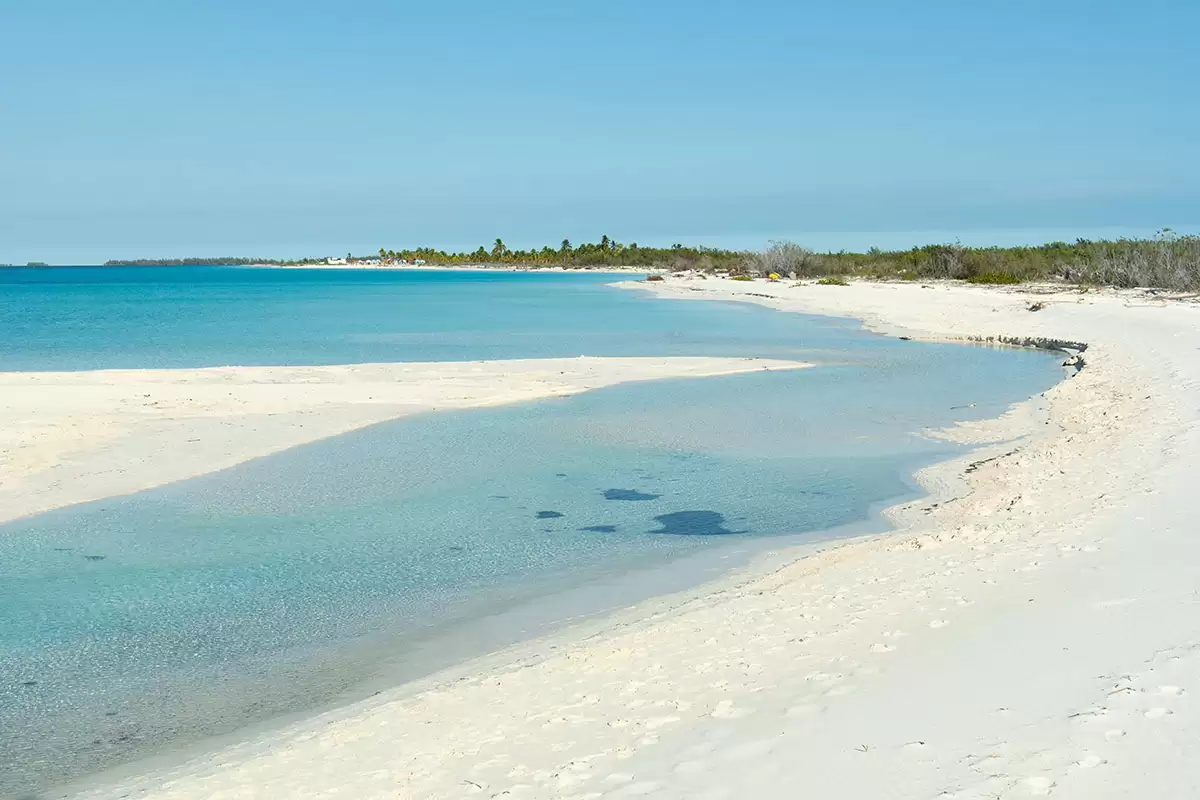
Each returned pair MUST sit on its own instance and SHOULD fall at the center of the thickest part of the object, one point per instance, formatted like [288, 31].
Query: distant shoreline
[622, 270]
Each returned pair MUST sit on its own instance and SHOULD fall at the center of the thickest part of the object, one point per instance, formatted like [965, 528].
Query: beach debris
[974, 465]
[654, 277]
[1038, 306]
[1036, 342]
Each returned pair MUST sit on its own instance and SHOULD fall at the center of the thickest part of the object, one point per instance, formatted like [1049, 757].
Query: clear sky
[253, 127]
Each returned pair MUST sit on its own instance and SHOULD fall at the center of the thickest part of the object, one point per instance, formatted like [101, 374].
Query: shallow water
[73, 318]
[134, 624]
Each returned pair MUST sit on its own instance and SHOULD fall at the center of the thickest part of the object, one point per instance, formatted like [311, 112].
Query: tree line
[1167, 260]
[604, 253]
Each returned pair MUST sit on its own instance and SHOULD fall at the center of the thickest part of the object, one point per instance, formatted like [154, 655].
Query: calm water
[100, 318]
[140, 623]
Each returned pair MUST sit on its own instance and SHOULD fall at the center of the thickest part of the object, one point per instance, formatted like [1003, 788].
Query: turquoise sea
[141, 625]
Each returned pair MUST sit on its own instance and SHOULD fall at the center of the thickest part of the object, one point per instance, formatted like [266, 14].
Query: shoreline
[1025, 517]
[76, 437]
[614, 270]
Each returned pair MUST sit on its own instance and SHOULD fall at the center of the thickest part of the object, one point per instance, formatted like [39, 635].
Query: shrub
[788, 258]
[994, 279]
[740, 278]
[833, 280]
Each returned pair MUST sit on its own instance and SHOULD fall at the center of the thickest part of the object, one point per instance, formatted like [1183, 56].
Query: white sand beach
[1036, 632]
[70, 437]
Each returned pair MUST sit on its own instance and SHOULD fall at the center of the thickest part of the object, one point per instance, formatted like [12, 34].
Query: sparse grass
[833, 280]
[740, 278]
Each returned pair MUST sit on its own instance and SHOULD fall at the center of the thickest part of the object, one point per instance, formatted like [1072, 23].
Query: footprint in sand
[1039, 785]
[939, 623]
[619, 778]
[802, 710]
[1158, 713]
[690, 767]
[750, 750]
[727, 710]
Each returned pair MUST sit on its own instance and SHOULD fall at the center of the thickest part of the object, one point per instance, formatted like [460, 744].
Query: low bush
[994, 279]
[833, 280]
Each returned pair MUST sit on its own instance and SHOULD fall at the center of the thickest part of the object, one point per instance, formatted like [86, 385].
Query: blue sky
[288, 128]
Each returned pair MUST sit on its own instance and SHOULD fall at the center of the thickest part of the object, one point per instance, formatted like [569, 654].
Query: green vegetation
[605, 253]
[742, 278]
[1167, 261]
[833, 280]
[994, 278]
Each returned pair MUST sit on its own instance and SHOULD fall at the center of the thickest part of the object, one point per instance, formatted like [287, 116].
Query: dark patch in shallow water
[693, 523]
[628, 494]
[95, 558]
[600, 528]
[548, 515]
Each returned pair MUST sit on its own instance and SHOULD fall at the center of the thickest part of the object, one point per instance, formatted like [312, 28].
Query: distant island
[1168, 260]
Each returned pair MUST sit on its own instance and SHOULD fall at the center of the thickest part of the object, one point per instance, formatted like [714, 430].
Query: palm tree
[498, 250]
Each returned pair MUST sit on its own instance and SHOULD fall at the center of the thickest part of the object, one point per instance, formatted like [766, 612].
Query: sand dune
[1036, 633]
